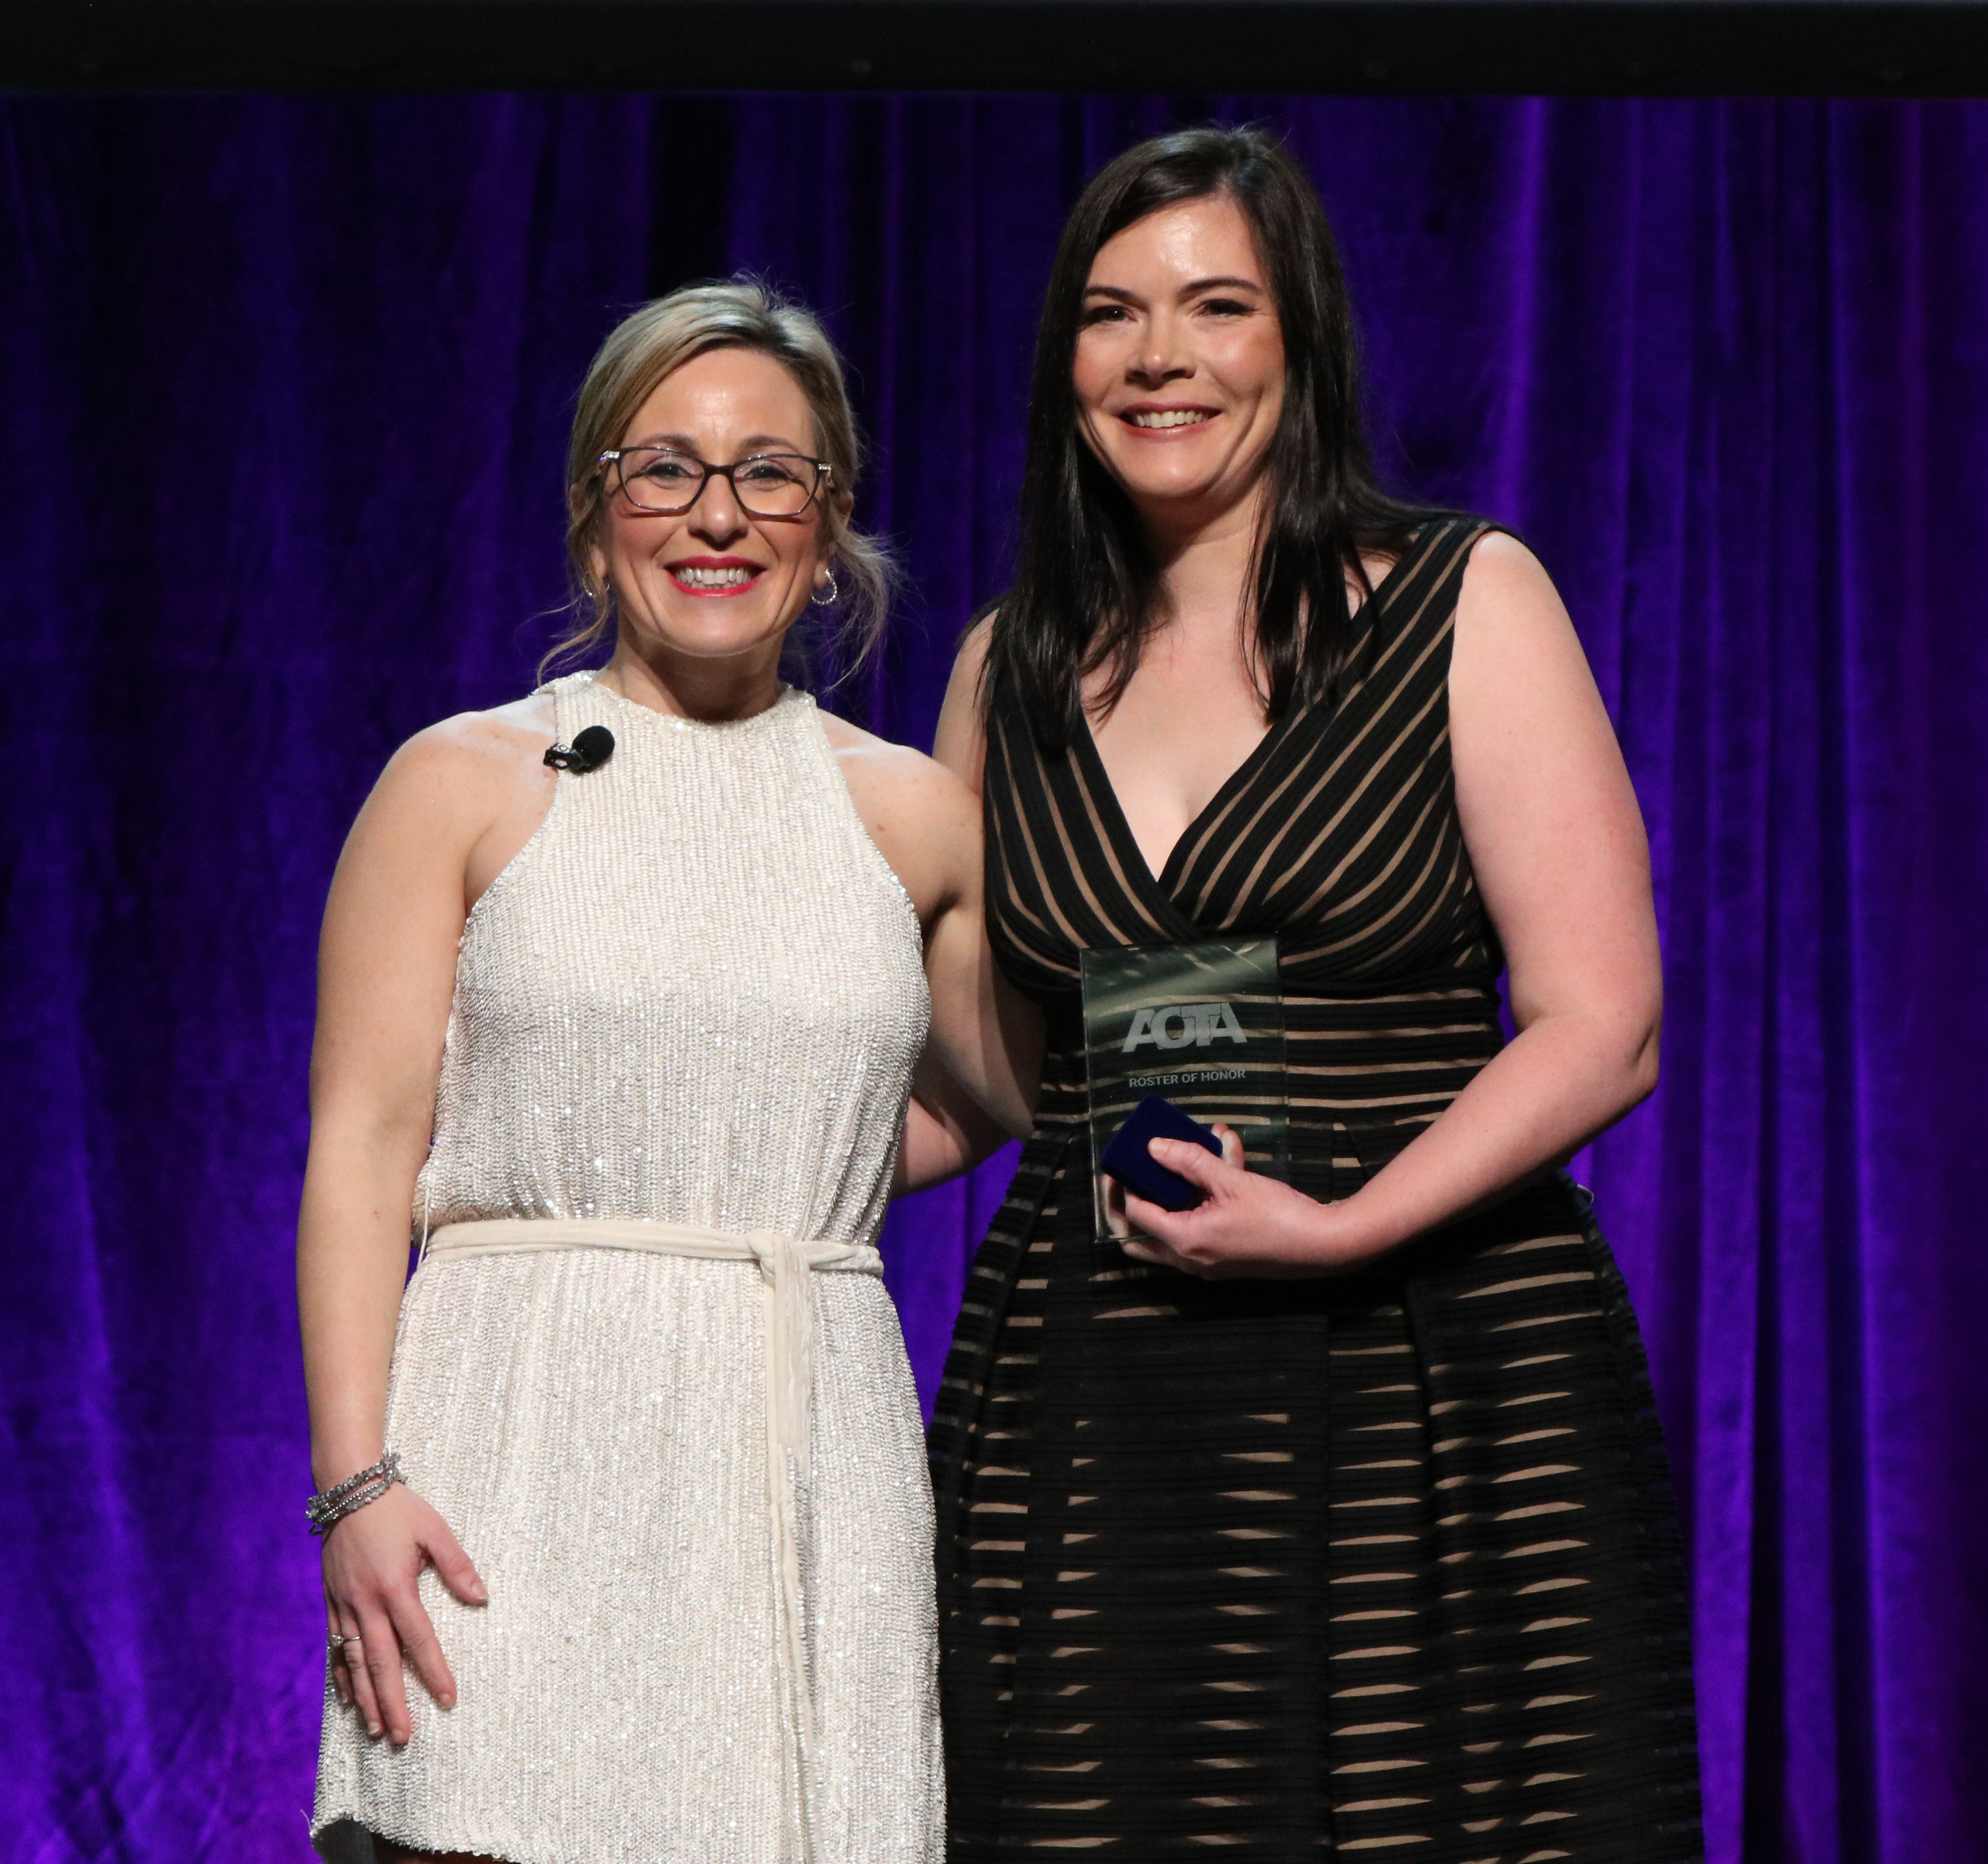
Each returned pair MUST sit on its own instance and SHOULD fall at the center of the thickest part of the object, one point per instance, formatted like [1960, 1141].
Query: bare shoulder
[969, 668]
[971, 660]
[907, 779]
[925, 821]
[1504, 584]
[1512, 628]
[961, 742]
[503, 732]
[1522, 698]
[468, 739]
[469, 764]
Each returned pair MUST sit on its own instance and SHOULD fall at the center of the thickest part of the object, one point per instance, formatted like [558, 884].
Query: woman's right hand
[373, 1559]
[435, 830]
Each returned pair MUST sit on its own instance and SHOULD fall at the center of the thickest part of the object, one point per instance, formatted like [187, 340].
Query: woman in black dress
[1335, 1518]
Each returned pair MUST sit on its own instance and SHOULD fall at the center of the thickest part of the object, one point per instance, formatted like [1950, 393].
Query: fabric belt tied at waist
[785, 1264]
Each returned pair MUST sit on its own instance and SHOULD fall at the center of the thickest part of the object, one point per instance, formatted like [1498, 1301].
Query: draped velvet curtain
[285, 381]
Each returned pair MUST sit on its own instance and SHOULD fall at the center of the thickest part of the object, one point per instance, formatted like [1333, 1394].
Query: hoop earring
[834, 596]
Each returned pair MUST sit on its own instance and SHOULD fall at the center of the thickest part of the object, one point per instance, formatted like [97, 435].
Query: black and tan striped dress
[1384, 1565]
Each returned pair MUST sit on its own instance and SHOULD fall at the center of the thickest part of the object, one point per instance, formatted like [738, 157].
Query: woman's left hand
[1248, 1225]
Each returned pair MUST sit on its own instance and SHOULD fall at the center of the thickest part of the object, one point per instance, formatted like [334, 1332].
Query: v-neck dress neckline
[1161, 888]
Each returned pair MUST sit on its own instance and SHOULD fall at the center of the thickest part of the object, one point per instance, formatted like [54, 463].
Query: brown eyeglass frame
[824, 475]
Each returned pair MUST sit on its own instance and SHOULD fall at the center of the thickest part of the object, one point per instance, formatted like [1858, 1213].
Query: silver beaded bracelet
[329, 1507]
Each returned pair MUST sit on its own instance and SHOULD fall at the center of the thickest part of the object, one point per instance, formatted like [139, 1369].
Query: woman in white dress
[622, 990]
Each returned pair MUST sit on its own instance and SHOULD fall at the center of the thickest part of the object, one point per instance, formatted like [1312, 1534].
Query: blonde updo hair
[741, 313]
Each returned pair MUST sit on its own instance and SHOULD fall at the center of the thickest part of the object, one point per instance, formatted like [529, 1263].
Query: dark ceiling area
[1811, 48]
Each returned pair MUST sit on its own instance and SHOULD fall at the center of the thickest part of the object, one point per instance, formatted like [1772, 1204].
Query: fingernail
[372, 1728]
[446, 1701]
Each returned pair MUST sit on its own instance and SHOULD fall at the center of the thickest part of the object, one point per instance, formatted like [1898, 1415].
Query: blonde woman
[622, 986]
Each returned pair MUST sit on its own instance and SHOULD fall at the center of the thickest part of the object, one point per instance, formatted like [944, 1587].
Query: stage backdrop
[286, 382]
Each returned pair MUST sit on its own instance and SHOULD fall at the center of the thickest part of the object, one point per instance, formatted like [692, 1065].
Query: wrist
[1346, 1234]
[329, 1506]
[331, 1466]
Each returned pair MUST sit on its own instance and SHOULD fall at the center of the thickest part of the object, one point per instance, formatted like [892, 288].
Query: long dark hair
[1087, 590]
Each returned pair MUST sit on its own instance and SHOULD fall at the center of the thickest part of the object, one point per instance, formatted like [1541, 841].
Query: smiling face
[716, 583]
[1179, 372]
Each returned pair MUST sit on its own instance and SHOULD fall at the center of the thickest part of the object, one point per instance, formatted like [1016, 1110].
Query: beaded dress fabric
[1383, 1565]
[694, 997]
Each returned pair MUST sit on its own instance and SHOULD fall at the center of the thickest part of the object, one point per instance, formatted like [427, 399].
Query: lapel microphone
[588, 751]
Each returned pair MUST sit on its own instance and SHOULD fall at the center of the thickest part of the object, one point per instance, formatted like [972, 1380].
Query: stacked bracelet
[329, 1507]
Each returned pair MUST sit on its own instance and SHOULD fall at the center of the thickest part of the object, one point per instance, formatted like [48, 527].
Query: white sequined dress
[694, 997]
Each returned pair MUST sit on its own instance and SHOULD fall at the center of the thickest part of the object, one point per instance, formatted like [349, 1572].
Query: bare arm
[960, 743]
[967, 966]
[975, 1085]
[967, 1094]
[1559, 851]
[385, 973]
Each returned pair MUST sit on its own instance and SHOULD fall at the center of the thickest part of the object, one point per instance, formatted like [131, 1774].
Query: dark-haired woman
[1333, 1517]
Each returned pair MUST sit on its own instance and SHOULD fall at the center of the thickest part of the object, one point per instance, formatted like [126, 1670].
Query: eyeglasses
[766, 484]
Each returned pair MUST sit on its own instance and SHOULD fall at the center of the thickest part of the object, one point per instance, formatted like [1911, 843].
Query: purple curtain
[286, 384]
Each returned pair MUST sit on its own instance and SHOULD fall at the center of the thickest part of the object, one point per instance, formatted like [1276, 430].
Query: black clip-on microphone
[588, 751]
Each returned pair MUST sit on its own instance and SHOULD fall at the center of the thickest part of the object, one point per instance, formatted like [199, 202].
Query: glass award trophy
[1203, 1024]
